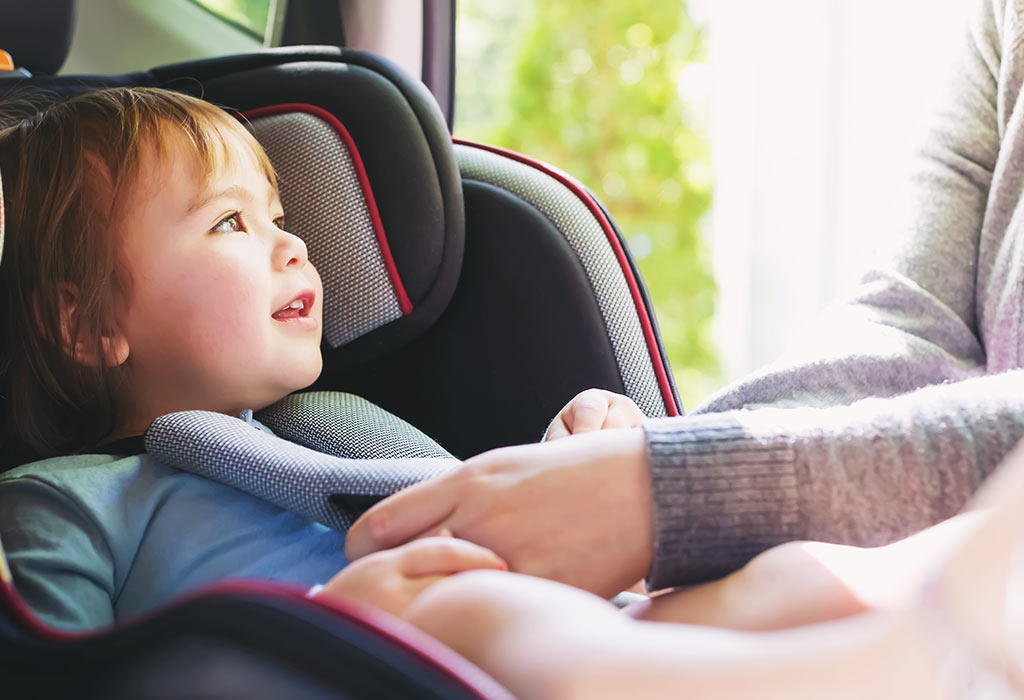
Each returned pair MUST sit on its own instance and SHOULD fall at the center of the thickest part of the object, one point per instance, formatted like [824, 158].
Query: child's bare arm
[392, 578]
[595, 409]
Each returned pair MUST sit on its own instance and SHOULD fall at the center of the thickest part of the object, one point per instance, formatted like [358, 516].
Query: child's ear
[115, 349]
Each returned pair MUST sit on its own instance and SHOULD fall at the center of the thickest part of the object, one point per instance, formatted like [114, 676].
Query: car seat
[457, 275]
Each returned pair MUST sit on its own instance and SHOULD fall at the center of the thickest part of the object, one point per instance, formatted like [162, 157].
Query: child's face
[225, 309]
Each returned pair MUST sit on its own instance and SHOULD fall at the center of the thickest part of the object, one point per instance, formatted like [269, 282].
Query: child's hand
[595, 409]
[392, 578]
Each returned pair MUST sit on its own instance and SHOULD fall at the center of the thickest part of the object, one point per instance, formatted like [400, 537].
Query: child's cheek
[214, 305]
[232, 313]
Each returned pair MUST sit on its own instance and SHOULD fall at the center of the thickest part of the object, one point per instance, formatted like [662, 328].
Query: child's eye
[231, 222]
[279, 222]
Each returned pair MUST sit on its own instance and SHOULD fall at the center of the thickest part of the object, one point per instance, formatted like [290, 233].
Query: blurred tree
[614, 93]
[250, 15]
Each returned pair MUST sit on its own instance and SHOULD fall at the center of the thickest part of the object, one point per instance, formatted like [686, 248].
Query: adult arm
[542, 640]
[862, 471]
[914, 319]
[61, 564]
[728, 486]
[725, 486]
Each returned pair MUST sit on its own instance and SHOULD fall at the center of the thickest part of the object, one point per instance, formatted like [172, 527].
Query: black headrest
[395, 142]
[37, 33]
[404, 145]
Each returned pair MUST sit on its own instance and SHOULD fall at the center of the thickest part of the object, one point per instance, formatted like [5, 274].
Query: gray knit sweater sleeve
[888, 415]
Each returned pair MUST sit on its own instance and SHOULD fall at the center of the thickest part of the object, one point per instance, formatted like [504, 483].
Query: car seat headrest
[367, 173]
[368, 179]
[37, 34]
[329, 203]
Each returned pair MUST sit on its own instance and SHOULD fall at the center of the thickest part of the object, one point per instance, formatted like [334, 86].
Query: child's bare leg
[546, 640]
[786, 586]
[976, 601]
[800, 583]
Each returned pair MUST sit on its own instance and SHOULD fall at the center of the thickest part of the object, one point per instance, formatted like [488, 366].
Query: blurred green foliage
[250, 15]
[613, 93]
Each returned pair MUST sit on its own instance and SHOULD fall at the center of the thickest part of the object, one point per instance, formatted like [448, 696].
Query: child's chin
[311, 372]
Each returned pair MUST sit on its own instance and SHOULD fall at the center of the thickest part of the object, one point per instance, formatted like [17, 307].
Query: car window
[617, 95]
[150, 34]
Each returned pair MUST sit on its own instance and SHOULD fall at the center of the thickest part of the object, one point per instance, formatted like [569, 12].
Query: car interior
[456, 275]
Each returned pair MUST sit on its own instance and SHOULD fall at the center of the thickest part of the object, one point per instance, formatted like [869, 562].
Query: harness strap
[354, 455]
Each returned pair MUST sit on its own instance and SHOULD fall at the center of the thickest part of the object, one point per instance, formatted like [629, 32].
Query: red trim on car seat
[364, 182]
[23, 615]
[440, 657]
[634, 289]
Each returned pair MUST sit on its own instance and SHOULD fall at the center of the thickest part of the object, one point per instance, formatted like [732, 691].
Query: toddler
[148, 269]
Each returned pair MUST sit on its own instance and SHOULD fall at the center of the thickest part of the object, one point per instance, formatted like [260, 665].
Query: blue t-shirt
[93, 539]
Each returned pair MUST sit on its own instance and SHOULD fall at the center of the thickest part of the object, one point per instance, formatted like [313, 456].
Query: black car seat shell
[39, 33]
[238, 639]
[521, 325]
[506, 289]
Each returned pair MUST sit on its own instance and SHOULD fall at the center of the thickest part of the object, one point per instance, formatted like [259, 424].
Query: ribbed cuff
[724, 490]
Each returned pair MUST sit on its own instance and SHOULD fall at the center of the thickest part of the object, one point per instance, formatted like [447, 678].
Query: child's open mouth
[299, 307]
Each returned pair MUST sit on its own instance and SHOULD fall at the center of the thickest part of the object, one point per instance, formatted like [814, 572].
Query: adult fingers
[446, 555]
[415, 511]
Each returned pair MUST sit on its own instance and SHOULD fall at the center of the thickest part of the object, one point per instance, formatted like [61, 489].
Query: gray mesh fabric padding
[585, 236]
[290, 476]
[346, 425]
[325, 206]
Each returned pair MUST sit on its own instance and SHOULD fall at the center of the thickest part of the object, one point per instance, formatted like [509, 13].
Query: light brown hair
[67, 171]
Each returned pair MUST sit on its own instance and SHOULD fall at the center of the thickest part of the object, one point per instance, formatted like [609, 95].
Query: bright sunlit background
[751, 152]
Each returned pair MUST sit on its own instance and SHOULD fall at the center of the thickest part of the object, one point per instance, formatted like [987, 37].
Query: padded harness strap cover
[345, 425]
[332, 489]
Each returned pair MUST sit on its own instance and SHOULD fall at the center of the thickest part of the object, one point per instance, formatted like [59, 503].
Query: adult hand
[577, 510]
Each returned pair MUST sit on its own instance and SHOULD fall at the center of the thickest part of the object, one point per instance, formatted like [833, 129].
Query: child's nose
[289, 251]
